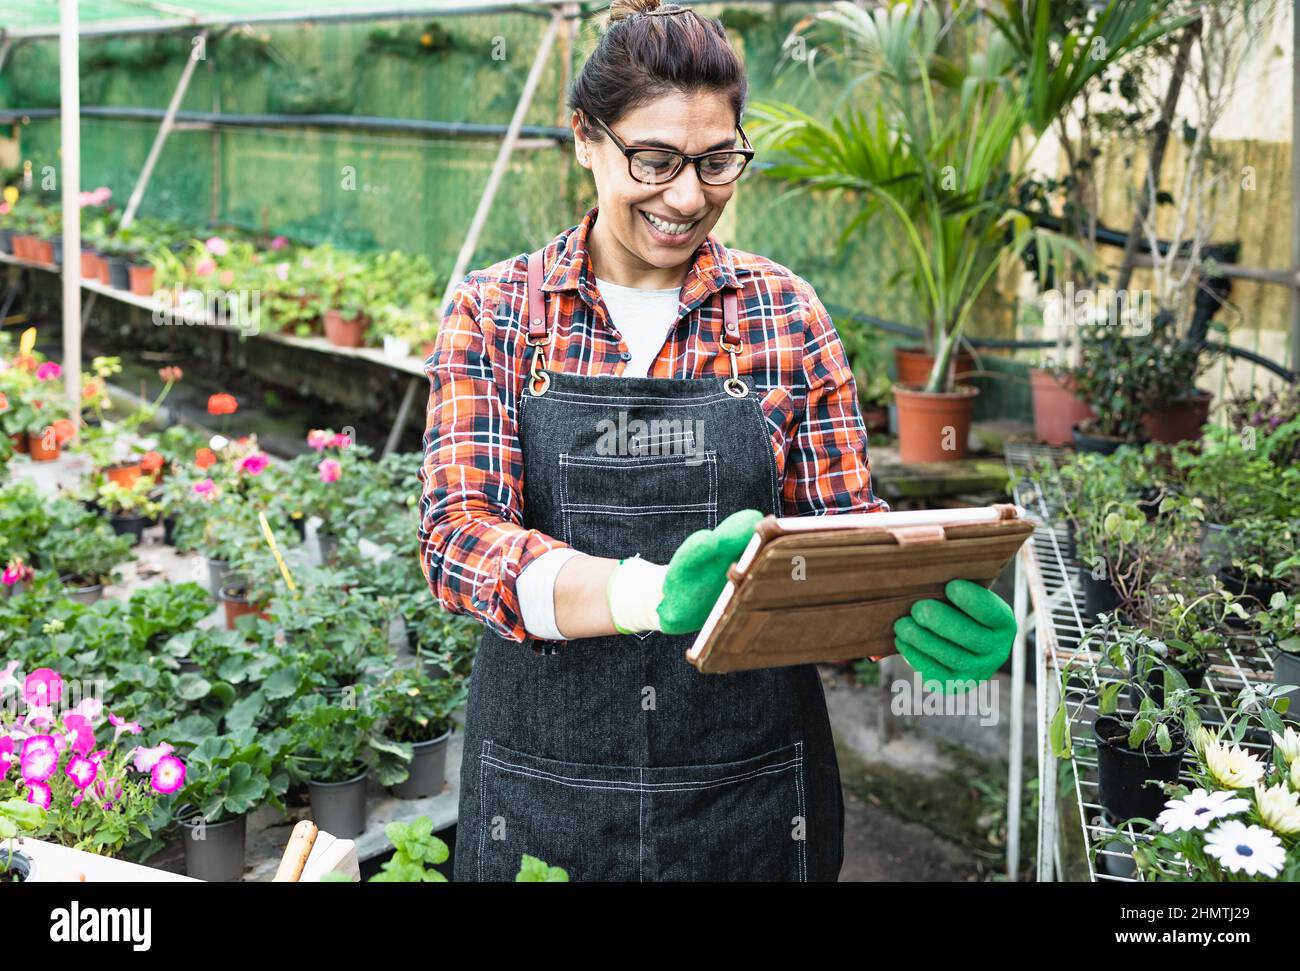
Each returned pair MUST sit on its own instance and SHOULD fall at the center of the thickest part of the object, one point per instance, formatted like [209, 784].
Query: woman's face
[691, 123]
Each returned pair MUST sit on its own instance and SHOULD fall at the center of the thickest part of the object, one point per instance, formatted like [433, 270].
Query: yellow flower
[11, 194]
[1278, 808]
[426, 39]
[1288, 744]
[1232, 768]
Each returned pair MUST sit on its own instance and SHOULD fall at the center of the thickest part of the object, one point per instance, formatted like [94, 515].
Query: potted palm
[934, 150]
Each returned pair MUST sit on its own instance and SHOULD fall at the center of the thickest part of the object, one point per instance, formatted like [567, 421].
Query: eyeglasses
[655, 166]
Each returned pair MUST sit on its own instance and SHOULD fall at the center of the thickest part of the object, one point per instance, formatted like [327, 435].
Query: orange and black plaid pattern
[473, 544]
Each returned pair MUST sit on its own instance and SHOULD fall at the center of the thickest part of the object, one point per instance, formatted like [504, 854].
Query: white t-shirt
[643, 318]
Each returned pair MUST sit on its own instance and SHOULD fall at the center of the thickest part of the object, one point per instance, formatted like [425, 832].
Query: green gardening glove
[698, 571]
[960, 642]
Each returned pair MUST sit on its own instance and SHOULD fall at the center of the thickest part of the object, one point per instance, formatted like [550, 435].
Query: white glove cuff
[636, 588]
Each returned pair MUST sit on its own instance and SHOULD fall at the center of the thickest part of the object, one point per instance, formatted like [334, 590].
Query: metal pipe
[70, 134]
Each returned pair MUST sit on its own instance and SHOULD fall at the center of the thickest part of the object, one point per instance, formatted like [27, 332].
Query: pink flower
[81, 771]
[39, 758]
[227, 277]
[102, 789]
[16, 572]
[147, 758]
[6, 754]
[340, 441]
[4, 208]
[282, 271]
[217, 246]
[48, 371]
[317, 439]
[168, 774]
[122, 725]
[254, 464]
[205, 267]
[279, 243]
[38, 793]
[89, 708]
[203, 487]
[102, 195]
[330, 470]
[80, 735]
[43, 687]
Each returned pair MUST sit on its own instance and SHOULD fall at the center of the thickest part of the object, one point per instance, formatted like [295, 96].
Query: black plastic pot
[339, 808]
[1099, 596]
[56, 244]
[300, 524]
[77, 589]
[428, 769]
[1095, 443]
[169, 530]
[119, 272]
[128, 525]
[1195, 677]
[16, 867]
[7, 241]
[1126, 792]
[1240, 585]
[215, 851]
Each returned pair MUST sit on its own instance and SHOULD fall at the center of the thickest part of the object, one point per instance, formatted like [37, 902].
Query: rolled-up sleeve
[473, 544]
[827, 469]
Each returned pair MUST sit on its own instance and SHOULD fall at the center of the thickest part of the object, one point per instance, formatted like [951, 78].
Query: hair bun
[626, 9]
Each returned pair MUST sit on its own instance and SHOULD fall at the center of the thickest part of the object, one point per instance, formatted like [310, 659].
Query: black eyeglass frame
[682, 158]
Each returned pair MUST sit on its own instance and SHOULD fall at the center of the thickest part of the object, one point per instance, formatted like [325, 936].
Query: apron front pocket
[613, 502]
[582, 817]
[745, 820]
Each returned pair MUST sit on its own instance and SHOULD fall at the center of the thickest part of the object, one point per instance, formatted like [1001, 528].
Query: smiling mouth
[668, 228]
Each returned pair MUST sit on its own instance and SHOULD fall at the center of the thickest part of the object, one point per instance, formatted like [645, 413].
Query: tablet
[817, 589]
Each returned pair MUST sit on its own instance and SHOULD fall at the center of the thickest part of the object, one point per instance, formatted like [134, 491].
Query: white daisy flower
[1232, 766]
[1202, 737]
[1252, 850]
[1279, 808]
[1295, 775]
[218, 442]
[1198, 809]
[1288, 743]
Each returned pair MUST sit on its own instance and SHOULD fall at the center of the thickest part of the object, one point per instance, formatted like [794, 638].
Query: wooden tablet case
[856, 581]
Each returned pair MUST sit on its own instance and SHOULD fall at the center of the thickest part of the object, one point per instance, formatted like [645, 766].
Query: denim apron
[612, 756]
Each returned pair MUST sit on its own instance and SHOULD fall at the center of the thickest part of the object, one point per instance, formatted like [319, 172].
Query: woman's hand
[697, 572]
[959, 642]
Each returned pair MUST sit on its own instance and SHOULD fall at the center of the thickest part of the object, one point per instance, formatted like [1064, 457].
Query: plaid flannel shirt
[473, 544]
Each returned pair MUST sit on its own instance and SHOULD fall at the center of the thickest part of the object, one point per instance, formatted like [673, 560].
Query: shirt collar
[711, 269]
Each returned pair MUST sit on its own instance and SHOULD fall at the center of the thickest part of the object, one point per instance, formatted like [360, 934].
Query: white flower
[1246, 849]
[1202, 737]
[1279, 808]
[1295, 775]
[218, 442]
[1198, 809]
[1288, 744]
[1232, 767]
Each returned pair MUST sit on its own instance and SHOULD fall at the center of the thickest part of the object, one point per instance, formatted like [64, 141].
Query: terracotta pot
[345, 333]
[141, 280]
[1179, 422]
[102, 266]
[42, 251]
[933, 427]
[913, 364]
[20, 442]
[22, 246]
[876, 419]
[236, 606]
[124, 474]
[1056, 409]
[39, 450]
[89, 264]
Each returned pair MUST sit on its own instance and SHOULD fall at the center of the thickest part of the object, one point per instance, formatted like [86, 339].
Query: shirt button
[626, 355]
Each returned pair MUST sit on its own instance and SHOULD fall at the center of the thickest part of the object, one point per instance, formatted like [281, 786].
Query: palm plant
[945, 135]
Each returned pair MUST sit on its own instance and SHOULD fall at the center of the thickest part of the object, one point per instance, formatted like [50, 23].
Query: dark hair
[648, 50]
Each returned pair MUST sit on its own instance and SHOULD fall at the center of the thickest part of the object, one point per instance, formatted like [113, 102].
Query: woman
[592, 470]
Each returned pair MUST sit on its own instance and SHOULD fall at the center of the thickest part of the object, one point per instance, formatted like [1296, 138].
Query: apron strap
[539, 335]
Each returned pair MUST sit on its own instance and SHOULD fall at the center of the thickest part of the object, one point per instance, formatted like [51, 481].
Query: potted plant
[84, 555]
[230, 776]
[1281, 622]
[349, 295]
[934, 147]
[333, 745]
[416, 710]
[129, 509]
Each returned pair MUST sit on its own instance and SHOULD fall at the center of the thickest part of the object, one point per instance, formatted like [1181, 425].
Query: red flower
[222, 404]
[170, 374]
[151, 462]
[204, 457]
[90, 390]
[4, 402]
